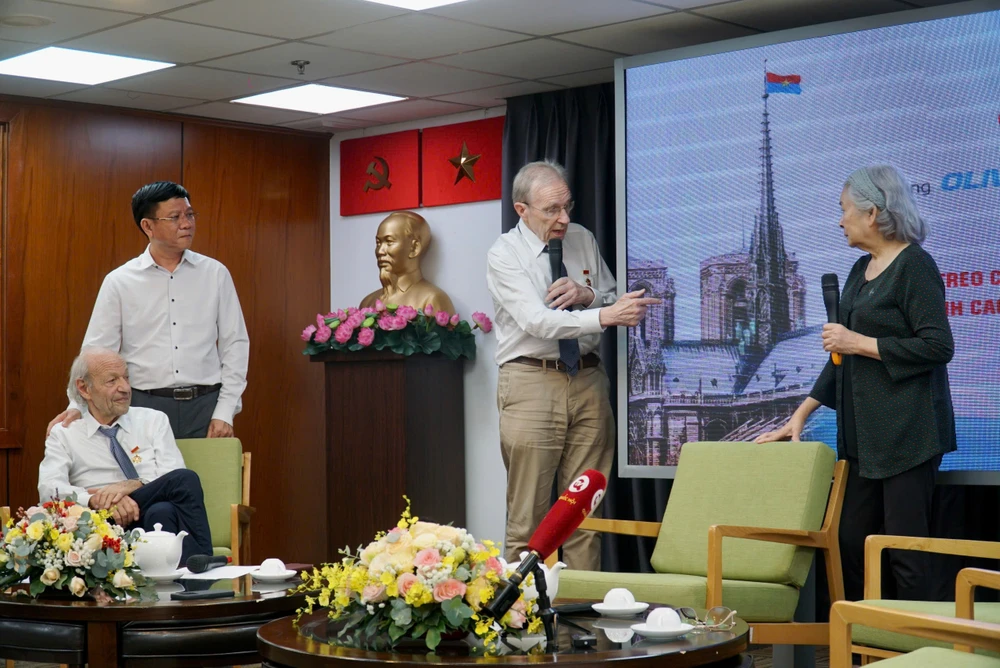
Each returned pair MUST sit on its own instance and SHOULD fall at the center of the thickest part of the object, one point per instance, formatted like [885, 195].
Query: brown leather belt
[587, 361]
[183, 393]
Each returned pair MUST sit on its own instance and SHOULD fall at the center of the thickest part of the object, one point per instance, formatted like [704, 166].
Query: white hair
[533, 174]
[899, 218]
[80, 370]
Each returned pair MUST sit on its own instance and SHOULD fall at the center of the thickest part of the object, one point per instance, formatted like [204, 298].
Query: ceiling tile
[328, 124]
[419, 80]
[67, 21]
[658, 33]
[684, 4]
[537, 17]
[418, 36]
[244, 113]
[933, 3]
[404, 111]
[304, 18]
[603, 75]
[536, 59]
[134, 6]
[10, 49]
[203, 83]
[497, 95]
[127, 98]
[324, 61]
[33, 87]
[771, 15]
[169, 41]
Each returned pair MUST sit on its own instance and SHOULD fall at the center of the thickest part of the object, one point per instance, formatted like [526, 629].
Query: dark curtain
[576, 128]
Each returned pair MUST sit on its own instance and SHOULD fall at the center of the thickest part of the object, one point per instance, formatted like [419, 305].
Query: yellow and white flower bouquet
[418, 581]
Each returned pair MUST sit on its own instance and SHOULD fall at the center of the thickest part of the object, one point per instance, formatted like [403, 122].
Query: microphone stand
[545, 611]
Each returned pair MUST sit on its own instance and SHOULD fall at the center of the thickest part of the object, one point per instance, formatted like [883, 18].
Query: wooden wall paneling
[264, 213]
[72, 173]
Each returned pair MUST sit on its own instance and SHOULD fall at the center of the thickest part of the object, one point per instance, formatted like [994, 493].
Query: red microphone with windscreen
[573, 506]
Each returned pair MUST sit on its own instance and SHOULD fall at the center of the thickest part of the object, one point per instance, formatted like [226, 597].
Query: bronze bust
[399, 242]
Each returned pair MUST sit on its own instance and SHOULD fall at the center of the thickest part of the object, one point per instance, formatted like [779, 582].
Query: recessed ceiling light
[416, 5]
[82, 67]
[318, 99]
[25, 21]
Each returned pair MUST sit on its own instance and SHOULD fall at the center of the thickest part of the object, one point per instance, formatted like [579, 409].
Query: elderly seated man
[123, 459]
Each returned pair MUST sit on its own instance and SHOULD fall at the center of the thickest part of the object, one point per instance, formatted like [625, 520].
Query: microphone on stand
[572, 507]
[555, 258]
[831, 299]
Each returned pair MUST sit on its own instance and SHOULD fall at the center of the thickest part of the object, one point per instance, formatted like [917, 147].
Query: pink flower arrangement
[404, 330]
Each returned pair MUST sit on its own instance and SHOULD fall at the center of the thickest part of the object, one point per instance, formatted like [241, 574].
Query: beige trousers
[553, 427]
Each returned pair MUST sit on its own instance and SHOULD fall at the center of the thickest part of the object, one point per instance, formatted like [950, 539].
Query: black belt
[184, 393]
[587, 361]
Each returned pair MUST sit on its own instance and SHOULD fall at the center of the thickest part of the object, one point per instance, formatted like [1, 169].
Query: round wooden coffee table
[145, 633]
[283, 646]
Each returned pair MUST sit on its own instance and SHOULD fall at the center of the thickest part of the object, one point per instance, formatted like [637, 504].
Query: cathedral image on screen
[756, 359]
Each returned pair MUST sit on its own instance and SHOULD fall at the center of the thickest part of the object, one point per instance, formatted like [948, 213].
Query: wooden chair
[871, 642]
[936, 631]
[224, 470]
[735, 491]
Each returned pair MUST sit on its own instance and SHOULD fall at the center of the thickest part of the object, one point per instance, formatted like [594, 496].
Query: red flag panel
[380, 173]
[462, 162]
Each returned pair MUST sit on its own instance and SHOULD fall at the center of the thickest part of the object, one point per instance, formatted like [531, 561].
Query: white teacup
[272, 567]
[665, 619]
[619, 598]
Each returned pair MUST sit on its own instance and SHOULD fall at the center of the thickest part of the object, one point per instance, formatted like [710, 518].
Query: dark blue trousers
[176, 501]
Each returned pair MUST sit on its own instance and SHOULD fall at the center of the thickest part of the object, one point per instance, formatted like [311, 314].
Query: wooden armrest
[965, 584]
[626, 527]
[244, 513]
[963, 632]
[717, 532]
[875, 544]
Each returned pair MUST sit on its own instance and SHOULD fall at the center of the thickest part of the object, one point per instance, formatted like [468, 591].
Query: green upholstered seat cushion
[898, 642]
[219, 464]
[936, 657]
[222, 552]
[777, 485]
[753, 601]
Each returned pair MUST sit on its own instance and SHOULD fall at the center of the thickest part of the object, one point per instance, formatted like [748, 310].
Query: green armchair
[224, 470]
[775, 503]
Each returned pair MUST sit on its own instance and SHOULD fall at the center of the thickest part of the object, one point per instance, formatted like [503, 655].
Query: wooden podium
[394, 425]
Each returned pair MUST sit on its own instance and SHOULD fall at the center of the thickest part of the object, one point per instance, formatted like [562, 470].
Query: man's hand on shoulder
[67, 417]
[628, 311]
[566, 293]
[220, 429]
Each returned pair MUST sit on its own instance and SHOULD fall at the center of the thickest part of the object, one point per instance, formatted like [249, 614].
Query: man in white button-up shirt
[555, 412]
[122, 459]
[175, 317]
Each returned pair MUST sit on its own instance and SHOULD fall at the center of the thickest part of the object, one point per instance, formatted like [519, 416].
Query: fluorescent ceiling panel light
[81, 67]
[318, 99]
[416, 5]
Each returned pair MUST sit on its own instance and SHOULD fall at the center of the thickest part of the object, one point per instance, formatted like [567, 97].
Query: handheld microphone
[831, 299]
[572, 507]
[555, 258]
[199, 563]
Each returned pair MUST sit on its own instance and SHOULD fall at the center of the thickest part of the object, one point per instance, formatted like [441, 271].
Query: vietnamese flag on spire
[783, 83]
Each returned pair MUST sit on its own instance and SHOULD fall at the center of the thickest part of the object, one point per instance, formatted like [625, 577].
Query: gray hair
[883, 188]
[80, 370]
[533, 174]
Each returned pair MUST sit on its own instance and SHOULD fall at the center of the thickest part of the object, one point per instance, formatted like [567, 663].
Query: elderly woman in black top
[894, 413]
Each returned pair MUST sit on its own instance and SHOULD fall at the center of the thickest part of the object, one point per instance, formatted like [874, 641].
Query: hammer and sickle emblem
[381, 177]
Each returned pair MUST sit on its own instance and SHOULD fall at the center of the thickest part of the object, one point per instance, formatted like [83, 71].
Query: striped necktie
[118, 452]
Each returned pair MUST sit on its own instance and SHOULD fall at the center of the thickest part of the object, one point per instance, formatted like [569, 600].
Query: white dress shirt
[175, 329]
[518, 274]
[79, 457]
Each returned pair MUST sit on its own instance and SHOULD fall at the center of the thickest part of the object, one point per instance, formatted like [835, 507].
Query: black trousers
[176, 501]
[188, 419]
[900, 505]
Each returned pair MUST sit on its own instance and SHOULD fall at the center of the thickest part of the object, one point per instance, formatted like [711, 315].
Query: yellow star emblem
[464, 163]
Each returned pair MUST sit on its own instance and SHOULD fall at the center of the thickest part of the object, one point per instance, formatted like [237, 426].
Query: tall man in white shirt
[552, 392]
[175, 317]
[122, 460]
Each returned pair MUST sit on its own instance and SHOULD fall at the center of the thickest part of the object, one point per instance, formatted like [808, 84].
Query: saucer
[620, 610]
[165, 577]
[654, 633]
[280, 576]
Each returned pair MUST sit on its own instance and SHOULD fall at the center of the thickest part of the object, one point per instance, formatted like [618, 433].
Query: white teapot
[551, 575]
[158, 552]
